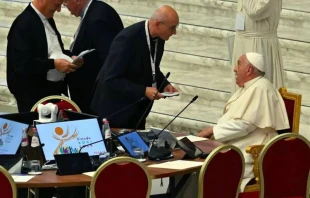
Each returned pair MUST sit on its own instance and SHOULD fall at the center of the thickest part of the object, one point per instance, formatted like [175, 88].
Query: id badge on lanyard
[153, 61]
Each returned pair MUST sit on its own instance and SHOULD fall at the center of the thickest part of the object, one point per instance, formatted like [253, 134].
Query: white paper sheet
[90, 174]
[22, 178]
[178, 164]
[193, 138]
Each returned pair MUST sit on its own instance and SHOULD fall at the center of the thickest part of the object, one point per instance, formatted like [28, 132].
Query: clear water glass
[138, 153]
[104, 157]
[35, 166]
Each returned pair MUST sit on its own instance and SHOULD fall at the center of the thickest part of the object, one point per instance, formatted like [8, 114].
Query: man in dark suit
[33, 40]
[131, 70]
[99, 24]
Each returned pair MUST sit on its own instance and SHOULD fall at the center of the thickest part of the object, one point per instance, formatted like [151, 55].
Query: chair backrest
[121, 177]
[61, 101]
[292, 103]
[284, 165]
[223, 167]
[8, 187]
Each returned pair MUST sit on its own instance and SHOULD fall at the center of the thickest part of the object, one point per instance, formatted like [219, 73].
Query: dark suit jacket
[27, 62]
[124, 77]
[98, 29]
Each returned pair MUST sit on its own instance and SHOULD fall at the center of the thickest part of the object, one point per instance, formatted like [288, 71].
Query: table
[50, 179]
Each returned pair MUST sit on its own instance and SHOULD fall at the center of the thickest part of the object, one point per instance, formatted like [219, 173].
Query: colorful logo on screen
[63, 137]
[68, 150]
[5, 129]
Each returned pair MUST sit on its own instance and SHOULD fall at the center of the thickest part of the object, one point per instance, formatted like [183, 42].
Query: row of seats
[284, 166]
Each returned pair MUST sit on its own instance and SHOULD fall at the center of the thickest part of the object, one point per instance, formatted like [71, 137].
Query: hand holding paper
[80, 56]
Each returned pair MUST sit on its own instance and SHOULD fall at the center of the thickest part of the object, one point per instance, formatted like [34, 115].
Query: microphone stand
[161, 153]
[161, 86]
[89, 145]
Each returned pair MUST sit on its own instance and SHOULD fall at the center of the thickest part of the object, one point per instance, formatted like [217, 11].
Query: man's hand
[78, 62]
[170, 88]
[64, 66]
[150, 93]
[206, 132]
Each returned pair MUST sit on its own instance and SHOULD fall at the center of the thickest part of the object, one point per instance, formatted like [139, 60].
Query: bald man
[253, 114]
[131, 70]
[36, 59]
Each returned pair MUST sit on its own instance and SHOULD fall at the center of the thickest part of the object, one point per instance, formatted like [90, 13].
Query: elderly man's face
[242, 71]
[168, 28]
[49, 7]
[73, 6]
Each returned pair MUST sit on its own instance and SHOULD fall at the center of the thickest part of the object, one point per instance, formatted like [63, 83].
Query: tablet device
[191, 150]
[132, 140]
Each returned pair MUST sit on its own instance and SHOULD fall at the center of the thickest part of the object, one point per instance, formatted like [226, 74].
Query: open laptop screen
[11, 133]
[68, 137]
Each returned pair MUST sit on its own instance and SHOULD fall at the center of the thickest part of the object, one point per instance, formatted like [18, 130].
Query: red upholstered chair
[121, 177]
[284, 166]
[223, 167]
[293, 105]
[8, 187]
[61, 101]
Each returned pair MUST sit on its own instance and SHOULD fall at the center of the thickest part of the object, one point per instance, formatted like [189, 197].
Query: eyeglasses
[172, 28]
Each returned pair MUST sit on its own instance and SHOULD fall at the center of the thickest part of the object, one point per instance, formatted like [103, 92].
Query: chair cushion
[6, 188]
[122, 180]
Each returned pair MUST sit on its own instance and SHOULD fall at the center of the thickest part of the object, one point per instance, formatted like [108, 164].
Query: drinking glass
[138, 153]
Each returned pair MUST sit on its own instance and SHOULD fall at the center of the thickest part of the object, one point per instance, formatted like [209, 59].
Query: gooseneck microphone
[161, 153]
[193, 100]
[151, 102]
[90, 144]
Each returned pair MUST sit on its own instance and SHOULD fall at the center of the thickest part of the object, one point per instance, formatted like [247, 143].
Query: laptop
[132, 140]
[12, 163]
[68, 137]
[70, 164]
[191, 150]
[11, 133]
[73, 115]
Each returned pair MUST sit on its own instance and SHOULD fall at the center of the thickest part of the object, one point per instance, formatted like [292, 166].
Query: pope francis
[253, 114]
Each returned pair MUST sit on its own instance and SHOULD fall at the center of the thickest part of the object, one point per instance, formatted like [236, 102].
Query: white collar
[42, 17]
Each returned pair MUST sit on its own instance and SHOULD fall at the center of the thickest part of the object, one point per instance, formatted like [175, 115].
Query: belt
[267, 35]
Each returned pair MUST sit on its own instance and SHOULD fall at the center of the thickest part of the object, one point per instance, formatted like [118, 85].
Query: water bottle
[106, 131]
[35, 138]
[24, 143]
[60, 116]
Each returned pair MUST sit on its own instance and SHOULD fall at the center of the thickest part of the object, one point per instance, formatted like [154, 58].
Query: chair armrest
[255, 150]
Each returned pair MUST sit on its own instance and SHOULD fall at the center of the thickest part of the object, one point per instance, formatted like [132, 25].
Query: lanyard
[78, 29]
[151, 58]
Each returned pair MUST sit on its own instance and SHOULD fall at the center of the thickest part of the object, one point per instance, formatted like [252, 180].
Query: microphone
[89, 145]
[193, 100]
[161, 153]
[151, 102]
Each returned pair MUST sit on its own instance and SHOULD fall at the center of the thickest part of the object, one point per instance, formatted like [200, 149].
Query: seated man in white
[253, 114]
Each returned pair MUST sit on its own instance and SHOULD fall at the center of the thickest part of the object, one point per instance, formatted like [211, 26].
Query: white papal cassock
[260, 35]
[251, 117]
